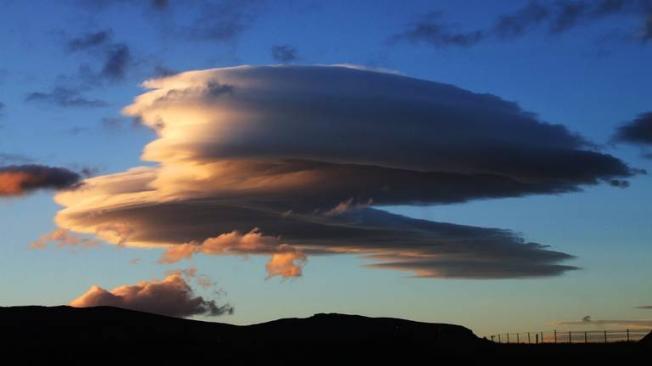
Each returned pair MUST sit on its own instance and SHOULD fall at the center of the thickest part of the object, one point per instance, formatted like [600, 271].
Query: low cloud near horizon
[587, 321]
[304, 158]
[171, 296]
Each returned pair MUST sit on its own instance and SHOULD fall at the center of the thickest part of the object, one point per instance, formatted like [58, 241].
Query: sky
[483, 164]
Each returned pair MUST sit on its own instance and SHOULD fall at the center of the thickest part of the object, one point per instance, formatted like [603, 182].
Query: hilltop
[106, 335]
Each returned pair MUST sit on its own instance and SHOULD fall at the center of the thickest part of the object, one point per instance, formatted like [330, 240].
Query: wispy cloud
[223, 20]
[115, 57]
[64, 97]
[555, 17]
[431, 30]
[90, 40]
[588, 321]
[63, 238]
[284, 54]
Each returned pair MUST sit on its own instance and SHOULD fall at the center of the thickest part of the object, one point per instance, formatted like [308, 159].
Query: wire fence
[571, 336]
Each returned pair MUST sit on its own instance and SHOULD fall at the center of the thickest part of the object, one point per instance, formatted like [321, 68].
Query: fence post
[605, 336]
[627, 335]
[507, 337]
[555, 335]
[499, 341]
[586, 338]
[528, 338]
[570, 336]
[542, 340]
[518, 338]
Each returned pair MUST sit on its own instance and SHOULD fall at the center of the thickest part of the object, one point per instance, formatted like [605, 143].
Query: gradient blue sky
[591, 78]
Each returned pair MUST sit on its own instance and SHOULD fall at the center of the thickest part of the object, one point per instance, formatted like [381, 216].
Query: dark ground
[104, 335]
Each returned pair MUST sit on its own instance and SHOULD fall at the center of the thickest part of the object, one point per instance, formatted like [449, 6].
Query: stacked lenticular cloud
[294, 161]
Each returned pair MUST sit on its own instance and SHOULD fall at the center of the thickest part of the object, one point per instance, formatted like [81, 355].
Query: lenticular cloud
[294, 161]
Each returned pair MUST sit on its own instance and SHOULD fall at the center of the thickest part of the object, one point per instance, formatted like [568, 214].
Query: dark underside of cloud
[555, 17]
[638, 131]
[304, 158]
[16, 180]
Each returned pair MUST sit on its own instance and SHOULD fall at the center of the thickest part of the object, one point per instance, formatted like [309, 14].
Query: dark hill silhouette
[647, 340]
[106, 336]
[74, 334]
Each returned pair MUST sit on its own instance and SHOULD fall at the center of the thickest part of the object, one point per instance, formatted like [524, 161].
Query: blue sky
[592, 78]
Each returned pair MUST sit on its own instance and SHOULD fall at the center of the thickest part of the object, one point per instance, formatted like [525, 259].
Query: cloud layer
[303, 158]
[171, 296]
[16, 180]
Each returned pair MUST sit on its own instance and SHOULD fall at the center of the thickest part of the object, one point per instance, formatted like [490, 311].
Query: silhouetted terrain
[105, 335]
[647, 340]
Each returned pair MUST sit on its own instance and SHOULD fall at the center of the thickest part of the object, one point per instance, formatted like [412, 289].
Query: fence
[573, 336]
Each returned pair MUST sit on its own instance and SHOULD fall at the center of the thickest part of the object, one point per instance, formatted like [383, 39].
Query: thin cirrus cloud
[587, 321]
[64, 97]
[295, 161]
[17, 180]
[555, 17]
[172, 296]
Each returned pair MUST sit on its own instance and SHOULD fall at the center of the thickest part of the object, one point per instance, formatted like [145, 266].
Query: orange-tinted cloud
[171, 296]
[63, 238]
[16, 180]
[229, 243]
[286, 261]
